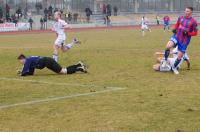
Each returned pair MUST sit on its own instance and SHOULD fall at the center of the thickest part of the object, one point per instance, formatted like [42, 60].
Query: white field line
[109, 89]
[58, 98]
[54, 83]
[7, 47]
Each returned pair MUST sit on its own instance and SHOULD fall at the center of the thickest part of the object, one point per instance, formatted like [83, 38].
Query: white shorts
[171, 61]
[144, 27]
[60, 41]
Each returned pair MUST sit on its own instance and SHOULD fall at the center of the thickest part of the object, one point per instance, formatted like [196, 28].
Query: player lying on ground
[170, 61]
[185, 28]
[37, 62]
[59, 27]
[144, 25]
[169, 64]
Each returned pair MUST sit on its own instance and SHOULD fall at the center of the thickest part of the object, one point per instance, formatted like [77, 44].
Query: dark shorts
[49, 63]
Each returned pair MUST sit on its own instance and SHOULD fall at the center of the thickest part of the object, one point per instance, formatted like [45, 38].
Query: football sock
[64, 70]
[167, 52]
[55, 57]
[176, 63]
[72, 69]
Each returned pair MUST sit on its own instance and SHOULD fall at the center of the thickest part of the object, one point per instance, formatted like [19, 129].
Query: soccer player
[59, 27]
[166, 21]
[144, 25]
[36, 62]
[172, 59]
[185, 28]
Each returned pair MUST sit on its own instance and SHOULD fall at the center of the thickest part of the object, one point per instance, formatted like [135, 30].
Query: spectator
[15, 21]
[88, 12]
[115, 9]
[45, 22]
[107, 20]
[1, 13]
[19, 13]
[45, 12]
[41, 23]
[31, 23]
[75, 16]
[50, 8]
[104, 8]
[50, 12]
[1, 20]
[7, 10]
[55, 10]
[109, 12]
[69, 16]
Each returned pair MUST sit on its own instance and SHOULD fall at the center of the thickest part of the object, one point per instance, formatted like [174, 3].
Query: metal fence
[135, 6]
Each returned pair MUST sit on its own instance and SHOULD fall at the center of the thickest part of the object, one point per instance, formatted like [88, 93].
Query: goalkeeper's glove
[185, 33]
[19, 72]
[174, 31]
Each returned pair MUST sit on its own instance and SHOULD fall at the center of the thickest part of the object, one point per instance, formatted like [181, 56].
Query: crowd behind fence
[79, 11]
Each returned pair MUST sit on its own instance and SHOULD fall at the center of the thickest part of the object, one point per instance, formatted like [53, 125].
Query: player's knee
[170, 44]
[167, 50]
[55, 48]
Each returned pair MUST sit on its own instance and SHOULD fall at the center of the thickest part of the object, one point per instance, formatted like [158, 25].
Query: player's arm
[176, 25]
[65, 25]
[194, 31]
[26, 69]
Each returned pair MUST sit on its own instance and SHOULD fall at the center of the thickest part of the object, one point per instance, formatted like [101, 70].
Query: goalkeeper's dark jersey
[30, 64]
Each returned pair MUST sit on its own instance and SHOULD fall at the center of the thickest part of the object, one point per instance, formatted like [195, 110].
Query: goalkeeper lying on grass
[36, 62]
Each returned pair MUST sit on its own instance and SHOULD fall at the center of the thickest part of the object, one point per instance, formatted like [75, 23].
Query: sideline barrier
[6, 27]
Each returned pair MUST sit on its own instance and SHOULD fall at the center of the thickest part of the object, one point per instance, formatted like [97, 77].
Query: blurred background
[93, 12]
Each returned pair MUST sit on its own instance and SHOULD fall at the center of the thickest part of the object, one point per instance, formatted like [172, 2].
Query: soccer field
[121, 92]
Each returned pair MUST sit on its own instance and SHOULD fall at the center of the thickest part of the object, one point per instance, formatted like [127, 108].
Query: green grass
[151, 102]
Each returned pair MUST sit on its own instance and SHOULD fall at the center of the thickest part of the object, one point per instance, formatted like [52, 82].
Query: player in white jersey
[59, 27]
[170, 61]
[144, 25]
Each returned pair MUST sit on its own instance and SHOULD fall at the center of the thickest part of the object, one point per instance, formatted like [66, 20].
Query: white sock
[55, 57]
[64, 70]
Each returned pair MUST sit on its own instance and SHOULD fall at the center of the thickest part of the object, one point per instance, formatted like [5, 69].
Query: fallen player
[170, 61]
[37, 62]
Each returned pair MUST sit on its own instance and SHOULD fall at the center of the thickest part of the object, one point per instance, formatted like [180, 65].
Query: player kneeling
[37, 62]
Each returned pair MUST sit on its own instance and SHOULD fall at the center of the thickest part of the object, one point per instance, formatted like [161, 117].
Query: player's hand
[19, 72]
[185, 33]
[174, 30]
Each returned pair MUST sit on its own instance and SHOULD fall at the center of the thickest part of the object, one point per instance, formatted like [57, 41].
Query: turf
[151, 102]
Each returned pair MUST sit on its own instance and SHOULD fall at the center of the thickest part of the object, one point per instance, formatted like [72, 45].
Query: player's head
[57, 15]
[21, 58]
[188, 11]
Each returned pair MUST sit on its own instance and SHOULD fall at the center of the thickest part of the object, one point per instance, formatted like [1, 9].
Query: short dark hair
[21, 56]
[191, 8]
